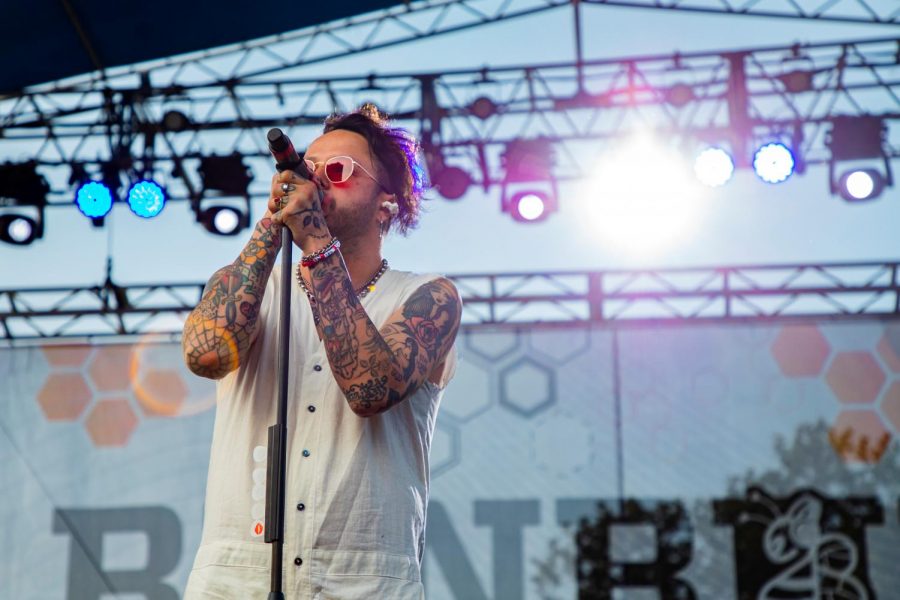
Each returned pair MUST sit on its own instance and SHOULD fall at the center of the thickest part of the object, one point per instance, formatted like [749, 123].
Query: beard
[349, 224]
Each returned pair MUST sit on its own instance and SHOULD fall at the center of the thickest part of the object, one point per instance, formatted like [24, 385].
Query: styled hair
[397, 154]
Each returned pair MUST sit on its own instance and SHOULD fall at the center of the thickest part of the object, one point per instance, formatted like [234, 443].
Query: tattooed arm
[218, 332]
[374, 369]
[379, 369]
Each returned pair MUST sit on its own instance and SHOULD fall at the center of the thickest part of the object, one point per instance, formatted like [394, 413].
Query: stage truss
[554, 299]
[737, 98]
[412, 21]
[231, 96]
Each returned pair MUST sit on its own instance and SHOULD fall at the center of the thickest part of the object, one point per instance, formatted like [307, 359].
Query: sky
[746, 222]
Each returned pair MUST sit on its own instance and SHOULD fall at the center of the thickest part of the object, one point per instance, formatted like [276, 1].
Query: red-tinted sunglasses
[338, 169]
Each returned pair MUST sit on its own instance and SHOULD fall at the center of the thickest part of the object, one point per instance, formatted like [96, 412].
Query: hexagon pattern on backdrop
[111, 422]
[108, 389]
[800, 350]
[491, 346]
[865, 383]
[562, 445]
[889, 352]
[470, 394]
[527, 387]
[855, 377]
[64, 396]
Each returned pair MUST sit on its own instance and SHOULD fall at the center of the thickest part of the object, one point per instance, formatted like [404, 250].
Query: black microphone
[285, 155]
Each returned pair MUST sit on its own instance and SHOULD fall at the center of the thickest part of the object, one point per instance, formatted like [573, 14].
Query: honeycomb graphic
[109, 390]
[801, 350]
[527, 387]
[865, 383]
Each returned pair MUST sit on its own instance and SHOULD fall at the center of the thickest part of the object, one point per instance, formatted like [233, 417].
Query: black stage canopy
[47, 40]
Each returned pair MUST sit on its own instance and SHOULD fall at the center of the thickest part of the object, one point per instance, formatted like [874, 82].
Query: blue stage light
[146, 199]
[94, 199]
[773, 163]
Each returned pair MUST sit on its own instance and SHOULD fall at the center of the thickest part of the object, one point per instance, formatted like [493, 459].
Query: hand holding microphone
[283, 152]
[296, 200]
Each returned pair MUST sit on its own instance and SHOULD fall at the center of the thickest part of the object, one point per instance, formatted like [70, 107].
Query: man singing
[372, 351]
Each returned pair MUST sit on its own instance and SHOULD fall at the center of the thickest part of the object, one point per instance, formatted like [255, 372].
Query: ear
[389, 207]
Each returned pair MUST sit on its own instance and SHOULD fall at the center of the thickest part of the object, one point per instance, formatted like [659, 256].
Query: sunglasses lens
[338, 169]
[310, 165]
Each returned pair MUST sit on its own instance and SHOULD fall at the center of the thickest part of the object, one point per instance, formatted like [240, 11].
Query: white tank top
[356, 489]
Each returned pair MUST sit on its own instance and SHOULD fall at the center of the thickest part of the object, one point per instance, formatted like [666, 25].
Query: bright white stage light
[773, 163]
[530, 207]
[226, 221]
[223, 220]
[860, 184]
[20, 230]
[713, 167]
[642, 197]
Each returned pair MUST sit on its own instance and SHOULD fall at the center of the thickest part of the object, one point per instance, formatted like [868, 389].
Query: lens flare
[642, 198]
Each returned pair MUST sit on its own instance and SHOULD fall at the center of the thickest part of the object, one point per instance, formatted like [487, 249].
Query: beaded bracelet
[311, 260]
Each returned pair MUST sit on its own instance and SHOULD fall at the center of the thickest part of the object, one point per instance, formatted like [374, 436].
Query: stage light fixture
[224, 177]
[861, 184]
[679, 95]
[451, 182]
[21, 184]
[223, 220]
[483, 107]
[19, 230]
[773, 162]
[93, 199]
[797, 81]
[23, 191]
[859, 141]
[226, 174]
[714, 167]
[531, 206]
[528, 160]
[146, 198]
[175, 121]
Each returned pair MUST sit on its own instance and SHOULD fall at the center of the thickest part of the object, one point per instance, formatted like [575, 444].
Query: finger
[277, 203]
[288, 176]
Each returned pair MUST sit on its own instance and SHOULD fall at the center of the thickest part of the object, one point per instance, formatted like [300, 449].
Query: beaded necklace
[360, 293]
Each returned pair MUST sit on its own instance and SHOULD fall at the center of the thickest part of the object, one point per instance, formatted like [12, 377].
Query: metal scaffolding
[737, 98]
[553, 299]
[224, 99]
[413, 21]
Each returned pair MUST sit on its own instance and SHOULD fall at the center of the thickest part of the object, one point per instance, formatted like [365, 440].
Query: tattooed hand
[297, 203]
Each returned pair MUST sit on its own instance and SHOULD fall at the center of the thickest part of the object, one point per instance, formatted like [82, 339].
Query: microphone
[285, 155]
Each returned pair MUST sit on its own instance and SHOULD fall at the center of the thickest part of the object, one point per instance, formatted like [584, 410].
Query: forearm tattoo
[378, 369]
[218, 331]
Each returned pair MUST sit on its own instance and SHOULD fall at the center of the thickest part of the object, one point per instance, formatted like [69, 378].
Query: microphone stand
[277, 454]
[286, 158]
